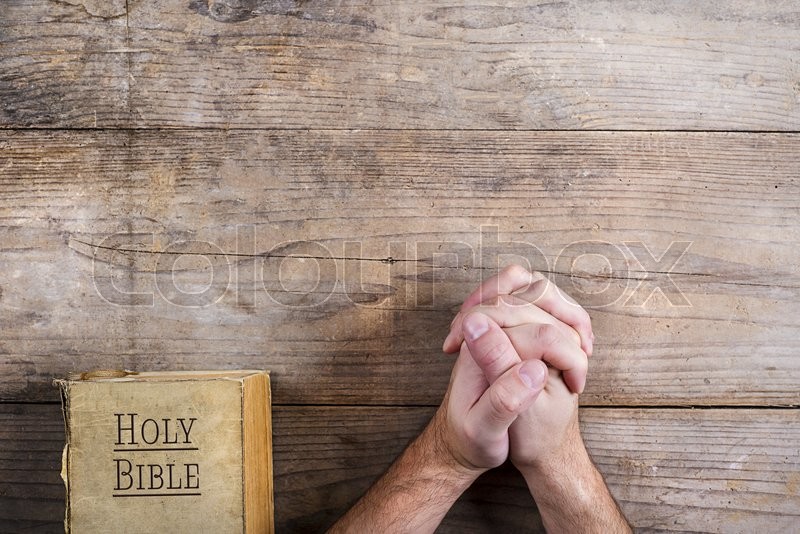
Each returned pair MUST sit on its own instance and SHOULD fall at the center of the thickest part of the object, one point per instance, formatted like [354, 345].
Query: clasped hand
[523, 348]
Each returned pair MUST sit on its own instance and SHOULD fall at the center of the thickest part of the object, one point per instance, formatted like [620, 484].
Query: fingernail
[475, 325]
[533, 374]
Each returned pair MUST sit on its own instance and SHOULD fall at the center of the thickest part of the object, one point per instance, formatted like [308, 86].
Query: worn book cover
[168, 452]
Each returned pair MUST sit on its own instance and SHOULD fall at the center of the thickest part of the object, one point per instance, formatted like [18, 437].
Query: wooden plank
[558, 65]
[237, 199]
[31, 491]
[718, 470]
[64, 63]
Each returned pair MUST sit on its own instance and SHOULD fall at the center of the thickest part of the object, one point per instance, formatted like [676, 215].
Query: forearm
[572, 496]
[414, 494]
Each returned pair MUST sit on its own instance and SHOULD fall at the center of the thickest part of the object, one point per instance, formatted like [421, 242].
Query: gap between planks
[382, 129]
[784, 407]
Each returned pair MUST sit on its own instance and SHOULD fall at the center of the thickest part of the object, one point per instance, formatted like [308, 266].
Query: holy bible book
[168, 452]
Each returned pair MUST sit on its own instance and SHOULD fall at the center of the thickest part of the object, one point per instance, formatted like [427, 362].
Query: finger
[489, 345]
[507, 311]
[547, 343]
[510, 279]
[534, 288]
[467, 384]
[495, 350]
[549, 297]
[511, 394]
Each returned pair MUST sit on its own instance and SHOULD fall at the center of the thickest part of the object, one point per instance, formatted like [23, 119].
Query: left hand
[533, 288]
[547, 431]
[473, 420]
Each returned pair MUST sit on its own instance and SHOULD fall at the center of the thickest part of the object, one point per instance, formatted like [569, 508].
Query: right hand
[544, 440]
[548, 428]
[525, 317]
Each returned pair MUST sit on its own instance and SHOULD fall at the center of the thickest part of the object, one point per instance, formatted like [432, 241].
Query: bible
[168, 452]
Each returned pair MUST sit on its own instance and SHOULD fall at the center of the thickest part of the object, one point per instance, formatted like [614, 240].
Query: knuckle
[516, 271]
[548, 334]
[584, 318]
[504, 403]
[583, 364]
[471, 432]
[540, 290]
[495, 354]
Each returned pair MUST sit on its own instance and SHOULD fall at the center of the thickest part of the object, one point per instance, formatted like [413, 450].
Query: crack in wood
[391, 261]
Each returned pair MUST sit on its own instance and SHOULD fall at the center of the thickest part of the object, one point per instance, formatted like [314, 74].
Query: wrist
[563, 449]
[557, 468]
[571, 494]
[568, 467]
[416, 491]
[444, 455]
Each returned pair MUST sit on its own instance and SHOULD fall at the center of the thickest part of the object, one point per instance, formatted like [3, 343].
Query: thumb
[510, 395]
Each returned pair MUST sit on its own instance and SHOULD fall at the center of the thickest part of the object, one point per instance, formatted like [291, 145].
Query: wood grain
[291, 64]
[336, 259]
[175, 138]
[672, 470]
[63, 63]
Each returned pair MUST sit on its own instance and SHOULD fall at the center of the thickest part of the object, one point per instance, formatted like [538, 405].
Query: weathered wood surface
[354, 326]
[716, 470]
[258, 63]
[397, 227]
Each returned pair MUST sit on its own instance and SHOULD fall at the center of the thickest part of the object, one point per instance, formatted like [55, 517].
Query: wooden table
[313, 188]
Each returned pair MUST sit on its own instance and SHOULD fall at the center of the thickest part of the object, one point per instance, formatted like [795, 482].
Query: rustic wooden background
[312, 187]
